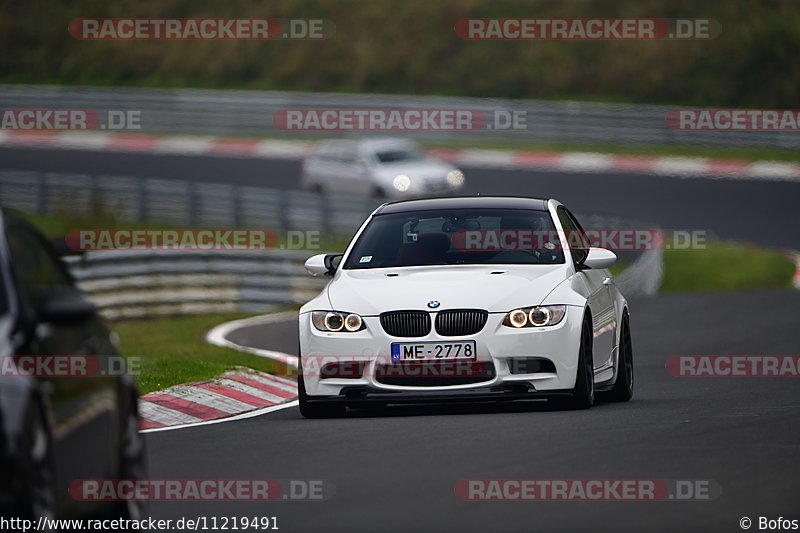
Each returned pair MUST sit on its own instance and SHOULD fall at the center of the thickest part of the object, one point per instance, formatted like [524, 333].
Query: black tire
[622, 391]
[132, 454]
[316, 409]
[582, 396]
[37, 495]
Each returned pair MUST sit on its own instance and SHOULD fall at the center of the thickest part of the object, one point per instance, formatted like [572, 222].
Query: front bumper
[497, 346]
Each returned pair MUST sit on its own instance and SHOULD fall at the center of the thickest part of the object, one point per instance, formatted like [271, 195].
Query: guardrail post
[193, 207]
[237, 206]
[141, 207]
[95, 197]
[283, 211]
[325, 208]
[41, 193]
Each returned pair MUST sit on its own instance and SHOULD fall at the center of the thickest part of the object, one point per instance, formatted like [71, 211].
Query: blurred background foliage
[410, 47]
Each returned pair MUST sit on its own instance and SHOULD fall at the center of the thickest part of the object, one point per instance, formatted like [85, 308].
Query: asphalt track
[395, 469]
[762, 212]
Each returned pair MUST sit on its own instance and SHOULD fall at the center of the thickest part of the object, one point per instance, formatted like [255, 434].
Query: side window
[326, 155]
[36, 269]
[348, 158]
[578, 243]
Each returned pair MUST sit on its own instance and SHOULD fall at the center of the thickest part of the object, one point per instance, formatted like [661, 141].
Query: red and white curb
[232, 393]
[238, 394]
[685, 167]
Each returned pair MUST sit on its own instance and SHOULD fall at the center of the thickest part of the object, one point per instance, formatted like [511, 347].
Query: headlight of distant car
[402, 183]
[337, 321]
[541, 315]
[455, 178]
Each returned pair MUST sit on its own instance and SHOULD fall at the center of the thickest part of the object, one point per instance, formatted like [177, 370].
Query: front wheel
[623, 386]
[582, 396]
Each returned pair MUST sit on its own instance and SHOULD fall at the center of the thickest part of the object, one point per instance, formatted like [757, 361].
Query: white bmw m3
[465, 299]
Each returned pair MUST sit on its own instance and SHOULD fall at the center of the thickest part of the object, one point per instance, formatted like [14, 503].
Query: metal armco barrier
[230, 112]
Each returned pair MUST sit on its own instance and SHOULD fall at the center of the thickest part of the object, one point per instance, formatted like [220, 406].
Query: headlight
[455, 178]
[541, 315]
[402, 183]
[336, 321]
[517, 318]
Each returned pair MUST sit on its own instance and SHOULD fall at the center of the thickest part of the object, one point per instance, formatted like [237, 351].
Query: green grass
[617, 268]
[726, 267]
[173, 350]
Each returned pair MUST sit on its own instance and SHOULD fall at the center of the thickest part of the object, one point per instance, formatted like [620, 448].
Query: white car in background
[460, 299]
[381, 168]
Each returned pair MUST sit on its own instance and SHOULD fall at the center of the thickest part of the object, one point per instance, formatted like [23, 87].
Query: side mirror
[323, 264]
[65, 305]
[599, 258]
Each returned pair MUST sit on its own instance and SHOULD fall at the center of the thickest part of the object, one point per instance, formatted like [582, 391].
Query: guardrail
[184, 203]
[129, 284]
[230, 112]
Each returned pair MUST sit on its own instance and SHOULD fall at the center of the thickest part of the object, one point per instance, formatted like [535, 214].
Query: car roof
[385, 142]
[464, 202]
[371, 143]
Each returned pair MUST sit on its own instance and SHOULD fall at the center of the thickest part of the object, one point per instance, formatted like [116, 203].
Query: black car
[57, 425]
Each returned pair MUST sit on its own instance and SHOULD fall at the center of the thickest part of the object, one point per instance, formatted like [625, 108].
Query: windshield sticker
[365, 259]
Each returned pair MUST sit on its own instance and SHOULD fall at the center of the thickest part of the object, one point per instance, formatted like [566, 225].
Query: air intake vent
[458, 322]
[435, 374]
[406, 323]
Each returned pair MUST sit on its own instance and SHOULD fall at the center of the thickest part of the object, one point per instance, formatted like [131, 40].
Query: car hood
[496, 288]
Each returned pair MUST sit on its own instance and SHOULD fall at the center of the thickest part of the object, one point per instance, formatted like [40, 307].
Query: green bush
[410, 47]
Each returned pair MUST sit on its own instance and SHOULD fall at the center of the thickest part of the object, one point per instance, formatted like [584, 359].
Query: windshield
[457, 236]
[396, 155]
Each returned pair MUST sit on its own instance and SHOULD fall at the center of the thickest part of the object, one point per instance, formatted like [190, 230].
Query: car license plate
[432, 351]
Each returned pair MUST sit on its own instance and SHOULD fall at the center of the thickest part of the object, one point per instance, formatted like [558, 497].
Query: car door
[84, 409]
[354, 174]
[600, 301]
[320, 169]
